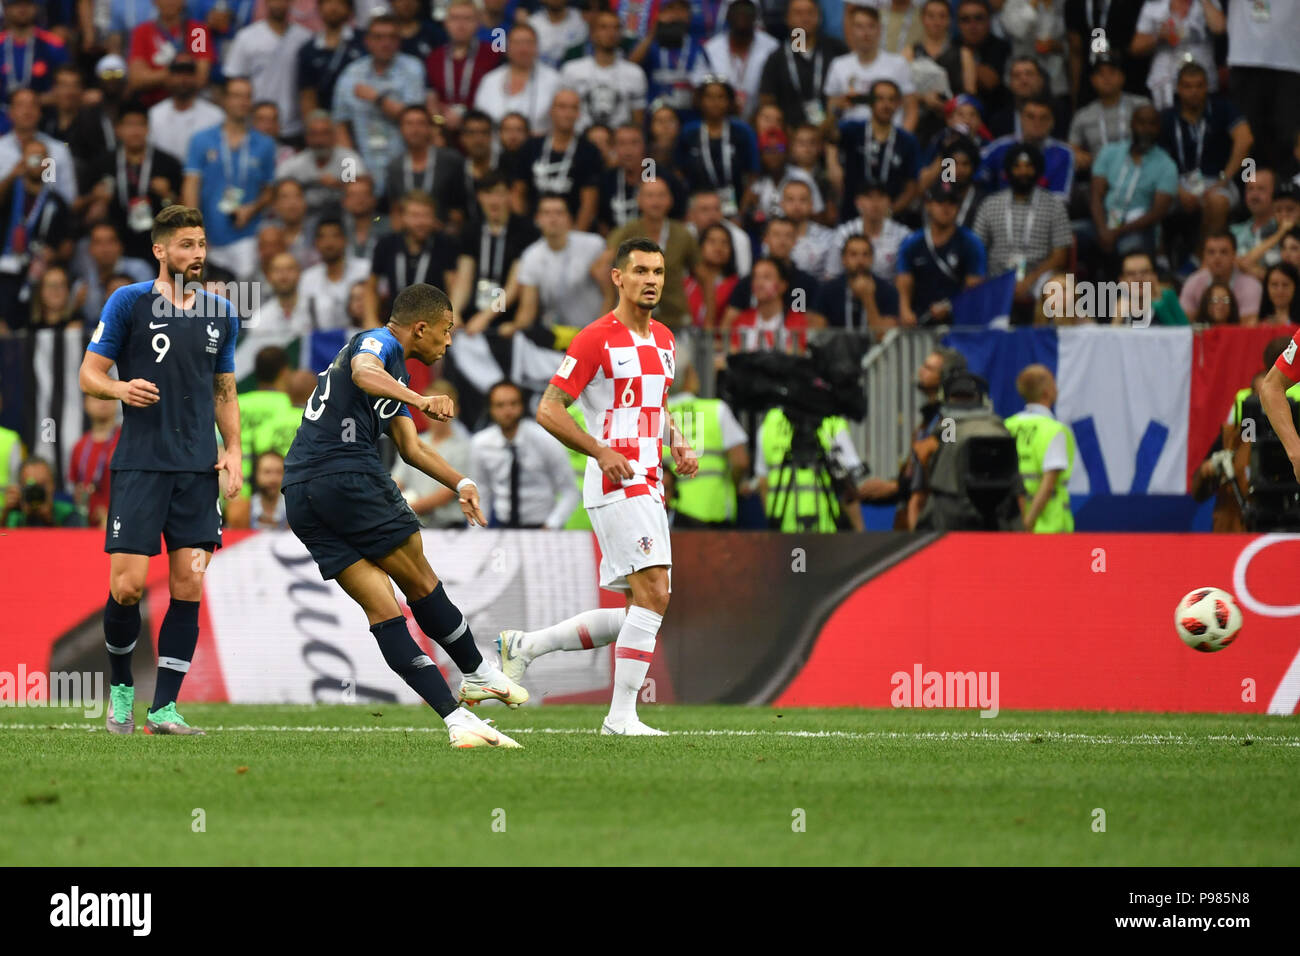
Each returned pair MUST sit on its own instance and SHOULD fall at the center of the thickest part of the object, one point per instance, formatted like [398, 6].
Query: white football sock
[635, 648]
[588, 629]
[483, 674]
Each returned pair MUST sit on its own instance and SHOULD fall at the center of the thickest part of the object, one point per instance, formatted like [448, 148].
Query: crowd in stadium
[802, 164]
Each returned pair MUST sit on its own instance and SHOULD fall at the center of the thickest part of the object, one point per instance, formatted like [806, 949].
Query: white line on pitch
[1012, 736]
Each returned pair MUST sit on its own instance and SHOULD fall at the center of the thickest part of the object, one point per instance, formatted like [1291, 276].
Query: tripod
[805, 453]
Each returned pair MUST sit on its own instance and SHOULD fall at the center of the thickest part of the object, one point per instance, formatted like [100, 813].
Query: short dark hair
[860, 237]
[270, 362]
[884, 81]
[133, 106]
[1191, 66]
[773, 220]
[623, 255]
[173, 218]
[491, 180]
[414, 108]
[286, 181]
[261, 103]
[419, 303]
[475, 116]
[329, 221]
[1220, 234]
[547, 196]
[505, 383]
[1037, 99]
[420, 197]
[782, 270]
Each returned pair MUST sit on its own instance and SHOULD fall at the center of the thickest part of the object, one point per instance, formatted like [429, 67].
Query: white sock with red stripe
[580, 632]
[632, 655]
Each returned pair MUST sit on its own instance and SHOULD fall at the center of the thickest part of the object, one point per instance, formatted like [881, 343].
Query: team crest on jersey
[646, 544]
[213, 336]
[370, 344]
[1289, 354]
[668, 362]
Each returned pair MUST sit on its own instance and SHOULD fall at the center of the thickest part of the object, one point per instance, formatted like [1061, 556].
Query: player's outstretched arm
[552, 415]
[225, 402]
[1272, 395]
[369, 375]
[420, 455]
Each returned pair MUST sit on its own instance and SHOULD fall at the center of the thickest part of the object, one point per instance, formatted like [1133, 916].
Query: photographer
[32, 503]
[942, 499]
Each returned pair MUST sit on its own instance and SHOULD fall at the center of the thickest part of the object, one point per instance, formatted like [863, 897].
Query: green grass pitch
[378, 785]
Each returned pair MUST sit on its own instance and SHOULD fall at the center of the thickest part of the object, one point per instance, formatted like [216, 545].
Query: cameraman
[940, 500]
[32, 504]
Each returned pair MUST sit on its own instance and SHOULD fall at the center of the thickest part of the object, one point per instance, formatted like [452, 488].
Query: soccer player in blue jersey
[342, 504]
[174, 347]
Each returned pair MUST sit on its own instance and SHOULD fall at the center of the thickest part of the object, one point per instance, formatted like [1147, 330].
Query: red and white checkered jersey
[621, 383]
[1288, 363]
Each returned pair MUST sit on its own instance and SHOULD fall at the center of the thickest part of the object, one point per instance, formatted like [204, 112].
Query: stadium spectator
[1160, 303]
[1258, 192]
[496, 242]
[1105, 120]
[1025, 79]
[1264, 67]
[850, 77]
[1280, 304]
[324, 286]
[1134, 183]
[106, 94]
[435, 170]
[481, 155]
[266, 507]
[33, 504]
[795, 79]
[521, 84]
[779, 238]
[665, 138]
[681, 253]
[266, 53]
[612, 90]
[420, 252]
[173, 122]
[156, 43]
[900, 27]
[286, 310]
[935, 43]
[929, 378]
[265, 118]
[1218, 306]
[1047, 452]
[123, 17]
[704, 210]
[228, 174]
[1118, 23]
[321, 62]
[874, 222]
[559, 276]
[1175, 32]
[673, 59]
[105, 258]
[1219, 264]
[67, 120]
[814, 244]
[525, 473]
[937, 262]
[1273, 244]
[770, 325]
[372, 92]
[89, 474]
[1025, 229]
[558, 26]
[1035, 130]
[25, 117]
[620, 183]
[1036, 28]
[719, 151]
[38, 234]
[856, 299]
[877, 151]
[763, 197]
[991, 52]
[560, 163]
[710, 285]
[433, 502]
[707, 499]
[320, 168]
[1208, 139]
[133, 183]
[419, 34]
[361, 220]
[738, 53]
[456, 69]
[31, 55]
[53, 304]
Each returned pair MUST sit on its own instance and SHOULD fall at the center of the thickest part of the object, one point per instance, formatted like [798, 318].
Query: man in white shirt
[704, 209]
[849, 77]
[525, 479]
[321, 166]
[739, 53]
[557, 280]
[326, 285]
[286, 312]
[521, 84]
[266, 52]
[1264, 66]
[613, 91]
[25, 114]
[174, 121]
[815, 245]
[559, 26]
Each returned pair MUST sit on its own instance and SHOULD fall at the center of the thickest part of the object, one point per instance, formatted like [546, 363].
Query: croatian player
[618, 369]
[1272, 396]
[174, 347]
[342, 504]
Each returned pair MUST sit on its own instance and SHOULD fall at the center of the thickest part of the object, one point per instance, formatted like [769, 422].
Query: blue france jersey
[180, 352]
[341, 424]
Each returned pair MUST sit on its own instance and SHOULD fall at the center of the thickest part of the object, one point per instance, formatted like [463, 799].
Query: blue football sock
[176, 641]
[411, 664]
[443, 622]
[121, 628]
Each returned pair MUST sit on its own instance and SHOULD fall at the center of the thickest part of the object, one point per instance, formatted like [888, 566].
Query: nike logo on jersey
[623, 361]
[159, 325]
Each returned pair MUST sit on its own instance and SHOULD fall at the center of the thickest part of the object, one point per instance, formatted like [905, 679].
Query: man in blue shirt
[1036, 120]
[174, 348]
[348, 512]
[938, 261]
[228, 176]
[28, 55]
[878, 151]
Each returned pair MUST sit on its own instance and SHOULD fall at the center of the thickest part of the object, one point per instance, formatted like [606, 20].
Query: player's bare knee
[126, 588]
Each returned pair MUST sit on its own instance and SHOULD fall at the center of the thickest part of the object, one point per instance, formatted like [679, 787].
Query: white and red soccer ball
[1207, 619]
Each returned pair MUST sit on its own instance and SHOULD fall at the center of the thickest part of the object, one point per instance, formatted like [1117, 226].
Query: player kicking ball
[174, 347]
[342, 504]
[618, 369]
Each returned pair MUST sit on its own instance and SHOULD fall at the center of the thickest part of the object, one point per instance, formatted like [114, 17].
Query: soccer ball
[1207, 619]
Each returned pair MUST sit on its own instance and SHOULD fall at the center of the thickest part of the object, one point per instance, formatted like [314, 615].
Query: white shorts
[633, 534]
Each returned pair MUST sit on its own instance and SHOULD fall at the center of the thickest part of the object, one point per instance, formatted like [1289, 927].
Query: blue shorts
[183, 506]
[345, 517]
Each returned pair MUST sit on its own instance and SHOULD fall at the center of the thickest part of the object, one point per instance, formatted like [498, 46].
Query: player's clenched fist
[613, 465]
[686, 461]
[439, 407]
[138, 393]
